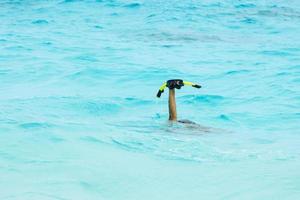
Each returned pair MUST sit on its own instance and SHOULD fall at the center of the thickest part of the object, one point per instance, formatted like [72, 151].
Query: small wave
[94, 108]
[291, 49]
[234, 72]
[214, 5]
[151, 15]
[135, 101]
[275, 53]
[67, 107]
[42, 162]
[4, 71]
[210, 99]
[7, 156]
[267, 13]
[114, 14]
[89, 73]
[46, 43]
[87, 57]
[296, 80]
[71, 1]
[91, 139]
[168, 46]
[56, 139]
[275, 11]
[245, 5]
[34, 195]
[165, 36]
[248, 20]
[125, 146]
[14, 2]
[35, 125]
[40, 22]
[133, 5]
[98, 27]
[224, 117]
[262, 141]
[156, 73]
[283, 74]
[18, 48]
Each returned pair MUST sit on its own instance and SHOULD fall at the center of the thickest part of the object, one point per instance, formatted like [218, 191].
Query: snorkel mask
[175, 83]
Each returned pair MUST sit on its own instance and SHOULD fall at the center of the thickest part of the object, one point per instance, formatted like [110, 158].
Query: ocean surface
[79, 117]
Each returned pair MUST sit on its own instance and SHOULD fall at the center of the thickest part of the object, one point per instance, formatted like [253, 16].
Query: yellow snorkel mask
[175, 83]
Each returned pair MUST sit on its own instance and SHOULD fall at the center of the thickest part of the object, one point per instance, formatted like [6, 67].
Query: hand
[175, 83]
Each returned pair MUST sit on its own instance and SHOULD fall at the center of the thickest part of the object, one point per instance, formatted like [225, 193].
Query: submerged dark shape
[186, 121]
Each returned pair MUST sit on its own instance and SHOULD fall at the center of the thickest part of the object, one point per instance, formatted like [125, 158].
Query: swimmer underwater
[172, 84]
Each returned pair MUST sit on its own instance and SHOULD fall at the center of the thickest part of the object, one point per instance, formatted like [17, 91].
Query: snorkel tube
[175, 83]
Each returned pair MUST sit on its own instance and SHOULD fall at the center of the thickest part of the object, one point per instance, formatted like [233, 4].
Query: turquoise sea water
[79, 118]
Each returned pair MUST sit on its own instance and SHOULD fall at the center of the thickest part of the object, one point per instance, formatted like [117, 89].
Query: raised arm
[172, 105]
